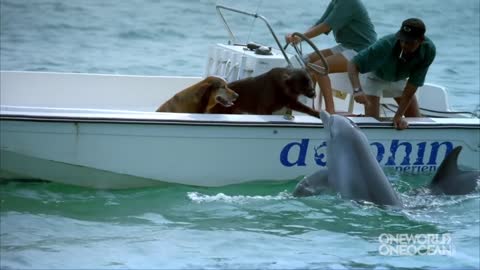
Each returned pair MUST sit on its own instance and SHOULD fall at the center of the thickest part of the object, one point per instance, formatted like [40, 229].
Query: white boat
[102, 131]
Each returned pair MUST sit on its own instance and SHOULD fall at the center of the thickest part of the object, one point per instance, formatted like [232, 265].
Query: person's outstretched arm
[353, 75]
[408, 94]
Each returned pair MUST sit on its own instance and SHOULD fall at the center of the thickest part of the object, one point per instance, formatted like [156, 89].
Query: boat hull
[129, 153]
[102, 131]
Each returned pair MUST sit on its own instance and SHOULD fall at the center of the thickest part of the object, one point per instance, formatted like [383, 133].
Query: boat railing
[233, 39]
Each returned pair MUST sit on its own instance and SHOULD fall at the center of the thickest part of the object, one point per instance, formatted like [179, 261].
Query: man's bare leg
[372, 108]
[326, 90]
[336, 63]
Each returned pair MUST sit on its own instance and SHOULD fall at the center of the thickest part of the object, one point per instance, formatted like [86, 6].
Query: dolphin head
[342, 128]
[325, 116]
[353, 169]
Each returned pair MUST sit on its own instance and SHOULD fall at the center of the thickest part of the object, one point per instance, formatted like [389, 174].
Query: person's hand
[360, 97]
[400, 123]
[292, 39]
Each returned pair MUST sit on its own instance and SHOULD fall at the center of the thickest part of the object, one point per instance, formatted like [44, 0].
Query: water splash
[241, 199]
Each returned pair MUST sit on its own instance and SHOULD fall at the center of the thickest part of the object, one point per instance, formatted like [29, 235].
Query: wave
[66, 26]
[221, 197]
[158, 35]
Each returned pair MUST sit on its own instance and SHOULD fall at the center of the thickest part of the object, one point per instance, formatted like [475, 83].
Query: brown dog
[270, 92]
[201, 97]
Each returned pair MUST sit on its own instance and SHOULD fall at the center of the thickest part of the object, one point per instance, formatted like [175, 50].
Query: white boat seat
[433, 97]
[429, 96]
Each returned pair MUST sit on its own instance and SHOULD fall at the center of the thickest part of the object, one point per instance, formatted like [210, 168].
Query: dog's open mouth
[225, 102]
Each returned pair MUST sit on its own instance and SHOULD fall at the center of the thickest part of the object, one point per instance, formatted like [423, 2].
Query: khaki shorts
[374, 86]
[347, 53]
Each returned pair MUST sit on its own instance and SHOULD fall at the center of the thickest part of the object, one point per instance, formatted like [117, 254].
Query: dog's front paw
[288, 114]
[314, 113]
[288, 117]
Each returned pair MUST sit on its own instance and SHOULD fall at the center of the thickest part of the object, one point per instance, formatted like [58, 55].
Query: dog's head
[220, 92]
[298, 82]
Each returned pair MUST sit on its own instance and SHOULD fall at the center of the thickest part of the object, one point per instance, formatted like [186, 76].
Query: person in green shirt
[353, 31]
[398, 64]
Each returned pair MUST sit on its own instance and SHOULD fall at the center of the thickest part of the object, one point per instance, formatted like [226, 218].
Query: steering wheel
[321, 70]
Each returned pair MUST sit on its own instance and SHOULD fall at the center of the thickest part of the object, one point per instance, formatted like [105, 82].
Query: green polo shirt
[350, 23]
[382, 58]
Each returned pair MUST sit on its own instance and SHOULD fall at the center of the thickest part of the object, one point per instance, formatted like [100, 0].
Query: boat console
[238, 61]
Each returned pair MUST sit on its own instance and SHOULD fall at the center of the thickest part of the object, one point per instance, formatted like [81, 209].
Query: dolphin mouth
[325, 116]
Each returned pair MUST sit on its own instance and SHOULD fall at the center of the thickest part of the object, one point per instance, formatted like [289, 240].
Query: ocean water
[250, 226]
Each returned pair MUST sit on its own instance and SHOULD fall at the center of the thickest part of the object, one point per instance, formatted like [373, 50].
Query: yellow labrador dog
[201, 97]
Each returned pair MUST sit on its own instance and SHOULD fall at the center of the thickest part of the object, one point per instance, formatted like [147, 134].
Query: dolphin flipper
[317, 182]
[450, 180]
[313, 184]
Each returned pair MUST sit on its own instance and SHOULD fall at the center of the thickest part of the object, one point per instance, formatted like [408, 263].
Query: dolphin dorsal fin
[448, 166]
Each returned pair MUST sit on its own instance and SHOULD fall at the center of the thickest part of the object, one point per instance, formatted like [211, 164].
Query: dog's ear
[217, 83]
[203, 88]
[286, 76]
[287, 82]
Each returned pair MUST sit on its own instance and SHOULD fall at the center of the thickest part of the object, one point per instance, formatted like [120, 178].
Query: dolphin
[353, 170]
[450, 180]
